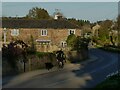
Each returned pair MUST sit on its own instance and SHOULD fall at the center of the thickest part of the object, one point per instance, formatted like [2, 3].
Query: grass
[41, 54]
[110, 49]
[111, 82]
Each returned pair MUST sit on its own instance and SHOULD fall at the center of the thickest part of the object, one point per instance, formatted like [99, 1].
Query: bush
[71, 39]
[110, 48]
[81, 44]
[13, 52]
[32, 48]
[111, 82]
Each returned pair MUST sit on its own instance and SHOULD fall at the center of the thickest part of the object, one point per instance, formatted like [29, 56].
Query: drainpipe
[5, 31]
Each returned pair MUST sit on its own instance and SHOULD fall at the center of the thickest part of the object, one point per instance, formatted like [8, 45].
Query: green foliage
[78, 22]
[41, 54]
[118, 39]
[109, 48]
[47, 54]
[103, 32]
[37, 13]
[80, 50]
[106, 24]
[32, 48]
[77, 43]
[95, 39]
[71, 39]
[14, 51]
[111, 82]
[118, 22]
[81, 43]
[106, 37]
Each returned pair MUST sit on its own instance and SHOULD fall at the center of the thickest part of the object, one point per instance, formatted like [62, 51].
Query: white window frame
[43, 32]
[63, 44]
[71, 30]
[14, 32]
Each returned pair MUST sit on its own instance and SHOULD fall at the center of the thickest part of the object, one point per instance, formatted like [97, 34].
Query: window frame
[44, 32]
[15, 32]
[71, 30]
[63, 44]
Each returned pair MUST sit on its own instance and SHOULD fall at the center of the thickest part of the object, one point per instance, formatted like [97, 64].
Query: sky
[60, 0]
[92, 11]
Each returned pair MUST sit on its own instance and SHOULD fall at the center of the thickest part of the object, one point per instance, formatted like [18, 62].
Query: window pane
[17, 31]
[42, 32]
[70, 32]
[45, 32]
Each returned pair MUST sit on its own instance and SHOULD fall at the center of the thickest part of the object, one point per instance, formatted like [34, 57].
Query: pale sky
[60, 0]
[92, 11]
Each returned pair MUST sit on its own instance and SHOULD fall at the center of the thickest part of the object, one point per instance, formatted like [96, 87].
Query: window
[63, 44]
[71, 31]
[15, 32]
[44, 32]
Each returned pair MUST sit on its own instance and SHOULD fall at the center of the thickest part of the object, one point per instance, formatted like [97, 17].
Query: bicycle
[60, 64]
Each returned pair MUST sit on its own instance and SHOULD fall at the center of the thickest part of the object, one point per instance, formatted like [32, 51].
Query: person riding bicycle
[60, 56]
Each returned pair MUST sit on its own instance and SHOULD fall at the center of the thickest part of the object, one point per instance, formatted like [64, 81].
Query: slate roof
[38, 24]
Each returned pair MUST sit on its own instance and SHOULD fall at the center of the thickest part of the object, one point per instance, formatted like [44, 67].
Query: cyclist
[60, 58]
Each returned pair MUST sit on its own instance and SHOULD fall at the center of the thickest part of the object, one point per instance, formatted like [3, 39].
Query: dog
[49, 65]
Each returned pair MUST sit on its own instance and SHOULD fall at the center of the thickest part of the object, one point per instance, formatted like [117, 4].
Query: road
[79, 76]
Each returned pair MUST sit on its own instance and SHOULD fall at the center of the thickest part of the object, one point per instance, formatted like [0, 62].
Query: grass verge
[111, 82]
[109, 49]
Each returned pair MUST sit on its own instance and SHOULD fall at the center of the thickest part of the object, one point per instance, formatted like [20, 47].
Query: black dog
[48, 65]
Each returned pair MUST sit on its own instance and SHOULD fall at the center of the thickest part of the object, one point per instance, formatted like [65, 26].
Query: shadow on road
[96, 72]
[87, 75]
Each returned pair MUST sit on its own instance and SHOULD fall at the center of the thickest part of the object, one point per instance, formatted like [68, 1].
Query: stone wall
[74, 56]
[33, 63]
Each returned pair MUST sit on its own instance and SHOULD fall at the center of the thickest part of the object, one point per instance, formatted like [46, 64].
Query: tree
[118, 25]
[81, 46]
[103, 32]
[79, 22]
[37, 13]
[77, 43]
[71, 40]
[13, 51]
[32, 48]
[81, 43]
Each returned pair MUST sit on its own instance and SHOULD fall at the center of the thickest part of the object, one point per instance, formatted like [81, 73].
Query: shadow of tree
[96, 72]
[90, 74]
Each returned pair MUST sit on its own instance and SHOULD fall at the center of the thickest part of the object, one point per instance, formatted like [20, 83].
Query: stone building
[95, 30]
[49, 35]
